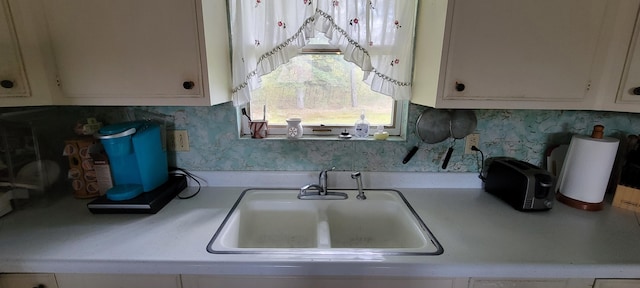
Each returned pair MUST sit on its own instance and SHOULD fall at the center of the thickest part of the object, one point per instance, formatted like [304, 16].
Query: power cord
[194, 178]
[481, 165]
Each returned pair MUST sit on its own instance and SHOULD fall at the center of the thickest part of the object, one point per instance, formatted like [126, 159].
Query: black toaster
[524, 186]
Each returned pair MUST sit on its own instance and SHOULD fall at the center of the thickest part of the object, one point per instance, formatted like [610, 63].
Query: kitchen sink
[276, 221]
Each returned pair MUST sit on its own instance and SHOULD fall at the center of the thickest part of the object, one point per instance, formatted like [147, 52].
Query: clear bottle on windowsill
[361, 128]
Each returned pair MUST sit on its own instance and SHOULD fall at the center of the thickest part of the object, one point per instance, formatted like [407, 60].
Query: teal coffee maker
[136, 156]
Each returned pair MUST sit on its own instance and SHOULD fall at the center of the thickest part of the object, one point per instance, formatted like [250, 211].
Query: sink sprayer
[358, 177]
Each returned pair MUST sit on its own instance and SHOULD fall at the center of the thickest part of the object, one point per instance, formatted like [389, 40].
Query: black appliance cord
[481, 165]
[194, 178]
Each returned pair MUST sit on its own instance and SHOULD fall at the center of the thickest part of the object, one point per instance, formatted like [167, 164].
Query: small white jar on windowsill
[294, 128]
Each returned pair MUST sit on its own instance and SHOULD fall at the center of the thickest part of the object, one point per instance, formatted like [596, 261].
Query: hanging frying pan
[432, 127]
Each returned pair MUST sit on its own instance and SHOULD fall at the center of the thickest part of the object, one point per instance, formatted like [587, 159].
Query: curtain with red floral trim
[376, 35]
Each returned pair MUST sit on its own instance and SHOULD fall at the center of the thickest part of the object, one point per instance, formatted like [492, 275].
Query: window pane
[321, 89]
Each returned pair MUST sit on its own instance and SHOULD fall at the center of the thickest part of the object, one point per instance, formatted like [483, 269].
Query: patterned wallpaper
[524, 134]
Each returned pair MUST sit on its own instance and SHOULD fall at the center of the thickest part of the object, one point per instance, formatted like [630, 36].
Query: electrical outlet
[471, 140]
[178, 140]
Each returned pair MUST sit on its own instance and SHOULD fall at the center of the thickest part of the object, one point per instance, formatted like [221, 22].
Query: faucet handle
[323, 173]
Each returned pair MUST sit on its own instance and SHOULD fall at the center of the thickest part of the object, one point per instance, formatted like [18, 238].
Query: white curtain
[376, 35]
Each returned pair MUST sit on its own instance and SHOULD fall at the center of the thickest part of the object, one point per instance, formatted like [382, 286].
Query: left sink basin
[271, 224]
[274, 221]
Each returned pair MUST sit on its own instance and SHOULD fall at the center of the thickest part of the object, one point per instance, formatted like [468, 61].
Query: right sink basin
[275, 221]
[376, 224]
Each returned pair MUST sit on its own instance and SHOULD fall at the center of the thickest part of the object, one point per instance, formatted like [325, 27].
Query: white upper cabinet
[628, 96]
[143, 52]
[13, 80]
[526, 54]
[24, 78]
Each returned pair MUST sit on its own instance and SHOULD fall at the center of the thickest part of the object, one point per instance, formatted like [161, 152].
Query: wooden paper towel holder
[597, 133]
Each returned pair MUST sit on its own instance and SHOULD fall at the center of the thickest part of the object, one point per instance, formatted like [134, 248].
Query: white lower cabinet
[28, 280]
[617, 283]
[530, 283]
[117, 280]
[206, 281]
[35, 280]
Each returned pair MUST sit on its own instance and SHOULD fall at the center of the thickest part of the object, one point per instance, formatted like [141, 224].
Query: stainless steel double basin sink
[275, 221]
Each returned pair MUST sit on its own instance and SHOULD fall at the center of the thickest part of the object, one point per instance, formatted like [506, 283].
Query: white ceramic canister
[294, 128]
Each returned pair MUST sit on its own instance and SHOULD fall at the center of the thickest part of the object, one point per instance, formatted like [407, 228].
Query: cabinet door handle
[188, 85]
[6, 84]
[460, 87]
[636, 91]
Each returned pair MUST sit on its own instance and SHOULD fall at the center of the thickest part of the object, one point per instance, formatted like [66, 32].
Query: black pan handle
[447, 158]
[410, 154]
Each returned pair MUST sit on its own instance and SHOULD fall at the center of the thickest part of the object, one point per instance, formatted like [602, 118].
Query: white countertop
[481, 236]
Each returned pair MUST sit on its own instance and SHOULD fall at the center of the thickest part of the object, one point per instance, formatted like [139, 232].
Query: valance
[377, 36]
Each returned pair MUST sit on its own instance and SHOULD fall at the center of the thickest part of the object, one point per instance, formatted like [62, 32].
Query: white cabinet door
[530, 283]
[511, 54]
[13, 80]
[27, 76]
[628, 97]
[617, 283]
[117, 280]
[27, 281]
[143, 52]
[197, 281]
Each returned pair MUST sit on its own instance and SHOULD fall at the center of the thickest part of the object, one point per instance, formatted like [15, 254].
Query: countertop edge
[510, 270]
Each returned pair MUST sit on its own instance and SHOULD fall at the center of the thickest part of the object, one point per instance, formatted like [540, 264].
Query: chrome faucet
[358, 177]
[322, 180]
[321, 192]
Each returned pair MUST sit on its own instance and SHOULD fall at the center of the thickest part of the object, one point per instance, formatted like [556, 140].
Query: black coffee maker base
[146, 203]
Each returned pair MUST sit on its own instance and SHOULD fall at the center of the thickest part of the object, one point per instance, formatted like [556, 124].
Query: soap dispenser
[362, 127]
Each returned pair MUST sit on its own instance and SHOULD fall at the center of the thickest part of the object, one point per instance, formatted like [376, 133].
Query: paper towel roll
[587, 167]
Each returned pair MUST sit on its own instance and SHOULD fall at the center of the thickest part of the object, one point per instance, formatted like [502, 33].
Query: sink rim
[429, 236]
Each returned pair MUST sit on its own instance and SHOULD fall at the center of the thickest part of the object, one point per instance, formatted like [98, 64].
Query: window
[280, 63]
[324, 90]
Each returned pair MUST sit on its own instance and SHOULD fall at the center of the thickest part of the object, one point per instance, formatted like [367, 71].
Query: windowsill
[323, 138]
